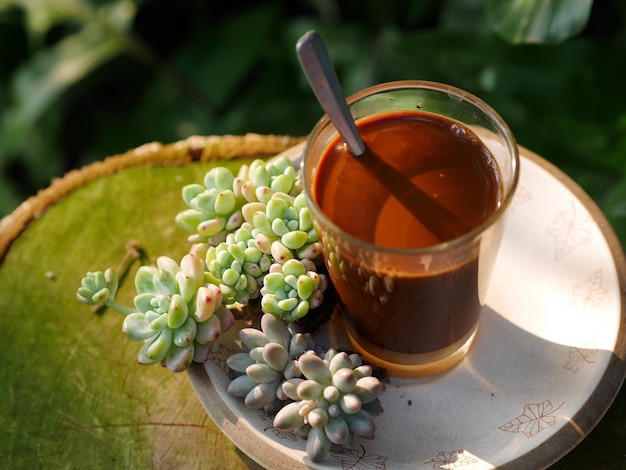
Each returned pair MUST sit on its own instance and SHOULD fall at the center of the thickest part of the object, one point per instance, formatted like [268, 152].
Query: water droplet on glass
[458, 130]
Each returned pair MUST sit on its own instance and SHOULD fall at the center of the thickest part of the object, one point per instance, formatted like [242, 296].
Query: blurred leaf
[463, 15]
[54, 70]
[32, 118]
[616, 156]
[328, 10]
[220, 59]
[35, 155]
[459, 58]
[8, 196]
[50, 72]
[41, 15]
[538, 21]
[615, 207]
[355, 53]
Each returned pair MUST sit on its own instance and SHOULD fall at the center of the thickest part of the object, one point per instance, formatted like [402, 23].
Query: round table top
[71, 392]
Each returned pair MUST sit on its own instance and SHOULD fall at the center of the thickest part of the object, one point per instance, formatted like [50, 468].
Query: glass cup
[413, 311]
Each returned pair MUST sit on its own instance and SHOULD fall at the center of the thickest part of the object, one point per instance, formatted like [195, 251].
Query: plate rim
[579, 426]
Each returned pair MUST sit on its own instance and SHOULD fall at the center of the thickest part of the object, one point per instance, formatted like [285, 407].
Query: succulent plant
[335, 400]
[99, 288]
[176, 315]
[330, 399]
[283, 227]
[237, 266]
[254, 236]
[334, 260]
[270, 357]
[215, 207]
[291, 289]
[249, 225]
[258, 181]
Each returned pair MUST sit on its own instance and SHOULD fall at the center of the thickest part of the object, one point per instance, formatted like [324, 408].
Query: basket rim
[190, 150]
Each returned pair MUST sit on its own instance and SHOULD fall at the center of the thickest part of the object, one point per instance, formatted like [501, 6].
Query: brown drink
[411, 228]
[450, 166]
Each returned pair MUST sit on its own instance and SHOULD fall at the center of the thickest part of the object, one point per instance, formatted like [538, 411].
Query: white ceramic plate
[545, 366]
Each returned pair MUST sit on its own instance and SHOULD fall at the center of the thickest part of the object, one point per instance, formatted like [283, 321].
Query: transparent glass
[432, 331]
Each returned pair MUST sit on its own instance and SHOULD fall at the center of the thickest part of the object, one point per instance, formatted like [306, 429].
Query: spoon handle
[322, 77]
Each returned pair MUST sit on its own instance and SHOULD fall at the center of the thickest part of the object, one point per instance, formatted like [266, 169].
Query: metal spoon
[320, 73]
[322, 77]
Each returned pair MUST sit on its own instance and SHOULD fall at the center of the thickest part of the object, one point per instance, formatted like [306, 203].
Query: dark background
[175, 68]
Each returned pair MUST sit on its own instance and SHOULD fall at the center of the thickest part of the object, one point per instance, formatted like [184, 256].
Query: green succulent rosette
[237, 266]
[246, 224]
[330, 399]
[269, 358]
[176, 314]
[100, 288]
[261, 179]
[283, 227]
[291, 289]
[334, 402]
[215, 207]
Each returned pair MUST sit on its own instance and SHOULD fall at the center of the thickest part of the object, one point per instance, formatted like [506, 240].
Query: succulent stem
[133, 252]
[123, 309]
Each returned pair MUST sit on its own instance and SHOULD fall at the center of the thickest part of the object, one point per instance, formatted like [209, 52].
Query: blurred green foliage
[83, 79]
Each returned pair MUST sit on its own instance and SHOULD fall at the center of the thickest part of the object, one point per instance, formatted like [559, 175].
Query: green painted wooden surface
[71, 393]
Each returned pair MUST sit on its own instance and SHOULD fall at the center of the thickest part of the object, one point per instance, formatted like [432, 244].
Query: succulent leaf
[262, 373]
[290, 388]
[339, 360]
[157, 349]
[318, 418]
[239, 361]
[310, 390]
[185, 333]
[178, 311]
[345, 380]
[202, 352]
[261, 395]
[164, 282]
[241, 386]
[179, 358]
[337, 430]
[317, 445]
[226, 317]
[276, 356]
[252, 337]
[207, 300]
[350, 404]
[209, 330]
[142, 355]
[368, 389]
[136, 328]
[315, 368]
[190, 191]
[362, 424]
[144, 279]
